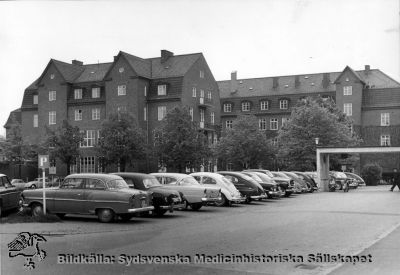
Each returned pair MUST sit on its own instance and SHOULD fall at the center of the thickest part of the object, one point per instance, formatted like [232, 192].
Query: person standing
[396, 180]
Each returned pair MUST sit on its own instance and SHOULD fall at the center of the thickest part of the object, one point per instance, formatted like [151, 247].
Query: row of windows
[95, 114]
[264, 105]
[79, 92]
[194, 93]
[262, 123]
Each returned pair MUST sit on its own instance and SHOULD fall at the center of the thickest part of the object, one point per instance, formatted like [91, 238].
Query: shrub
[371, 173]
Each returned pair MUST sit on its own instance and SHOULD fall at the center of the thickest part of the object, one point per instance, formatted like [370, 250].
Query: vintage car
[308, 179]
[246, 185]
[18, 183]
[340, 178]
[107, 196]
[194, 194]
[38, 183]
[359, 181]
[297, 180]
[164, 199]
[284, 182]
[229, 193]
[296, 187]
[9, 195]
[270, 186]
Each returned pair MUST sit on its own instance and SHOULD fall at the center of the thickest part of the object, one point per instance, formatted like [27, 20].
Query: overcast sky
[256, 38]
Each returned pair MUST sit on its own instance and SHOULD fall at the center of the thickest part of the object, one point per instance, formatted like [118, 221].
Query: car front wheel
[196, 206]
[105, 215]
[159, 212]
[222, 202]
[33, 186]
[37, 210]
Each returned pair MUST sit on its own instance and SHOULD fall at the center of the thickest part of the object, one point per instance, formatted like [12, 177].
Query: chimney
[275, 82]
[325, 80]
[165, 55]
[234, 82]
[296, 81]
[234, 75]
[77, 62]
[367, 69]
[115, 57]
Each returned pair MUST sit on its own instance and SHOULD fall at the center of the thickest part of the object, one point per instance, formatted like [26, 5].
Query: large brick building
[85, 95]
[369, 96]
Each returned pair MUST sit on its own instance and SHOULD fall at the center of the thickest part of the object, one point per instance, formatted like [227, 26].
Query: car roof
[94, 175]
[175, 175]
[2, 175]
[210, 174]
[133, 175]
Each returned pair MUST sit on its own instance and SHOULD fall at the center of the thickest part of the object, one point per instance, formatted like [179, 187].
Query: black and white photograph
[200, 137]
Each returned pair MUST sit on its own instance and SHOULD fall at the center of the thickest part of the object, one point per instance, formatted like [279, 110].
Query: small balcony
[204, 103]
[207, 126]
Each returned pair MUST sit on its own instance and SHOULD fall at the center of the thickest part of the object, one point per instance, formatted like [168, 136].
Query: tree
[372, 173]
[121, 140]
[179, 143]
[63, 143]
[244, 145]
[310, 119]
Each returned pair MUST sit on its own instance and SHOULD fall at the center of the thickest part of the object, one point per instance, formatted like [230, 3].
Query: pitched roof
[176, 65]
[141, 66]
[309, 83]
[69, 71]
[13, 118]
[93, 72]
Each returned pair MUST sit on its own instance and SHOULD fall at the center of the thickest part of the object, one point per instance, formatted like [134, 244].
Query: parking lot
[275, 236]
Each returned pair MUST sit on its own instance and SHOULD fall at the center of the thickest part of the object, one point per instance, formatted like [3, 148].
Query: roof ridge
[178, 55]
[98, 63]
[131, 55]
[264, 77]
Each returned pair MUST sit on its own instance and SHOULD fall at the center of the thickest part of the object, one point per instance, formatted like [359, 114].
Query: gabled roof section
[375, 78]
[177, 65]
[141, 66]
[69, 71]
[13, 118]
[93, 72]
[33, 86]
[352, 71]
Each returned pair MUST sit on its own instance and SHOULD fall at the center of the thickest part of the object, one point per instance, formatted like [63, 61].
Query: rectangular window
[264, 105]
[78, 115]
[262, 124]
[245, 106]
[201, 93]
[283, 104]
[121, 90]
[209, 95]
[96, 92]
[284, 121]
[227, 107]
[52, 95]
[89, 138]
[162, 112]
[228, 124]
[347, 90]
[385, 119]
[162, 89]
[95, 113]
[87, 165]
[191, 112]
[145, 90]
[35, 121]
[35, 99]
[121, 109]
[348, 109]
[273, 124]
[52, 118]
[385, 140]
[202, 115]
[194, 92]
[145, 113]
[201, 74]
[212, 118]
[78, 94]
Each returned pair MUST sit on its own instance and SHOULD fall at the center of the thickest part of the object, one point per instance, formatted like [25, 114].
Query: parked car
[284, 182]
[296, 186]
[340, 179]
[164, 199]
[9, 195]
[314, 176]
[270, 187]
[229, 193]
[308, 179]
[303, 185]
[194, 194]
[360, 181]
[107, 196]
[18, 183]
[246, 185]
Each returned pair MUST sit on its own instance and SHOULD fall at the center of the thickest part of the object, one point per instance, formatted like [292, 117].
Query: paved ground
[363, 222]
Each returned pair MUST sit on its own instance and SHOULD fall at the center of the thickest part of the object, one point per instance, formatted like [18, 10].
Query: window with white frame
[212, 115]
[52, 118]
[87, 165]
[78, 114]
[145, 90]
[191, 112]
[95, 113]
[194, 92]
[35, 121]
[385, 119]
[385, 140]
[209, 95]
[145, 113]
[35, 99]
[162, 89]
[283, 104]
[201, 74]
[95, 92]
[202, 115]
[347, 90]
[89, 138]
[228, 124]
[121, 90]
[121, 109]
[162, 112]
[284, 121]
[227, 107]
[201, 93]
[273, 124]
[78, 94]
[52, 95]
[264, 105]
[262, 124]
[245, 106]
[348, 109]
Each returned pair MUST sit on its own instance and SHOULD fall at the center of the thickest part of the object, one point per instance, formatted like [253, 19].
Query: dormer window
[78, 94]
[347, 90]
[283, 104]
[264, 105]
[245, 106]
[35, 99]
[162, 89]
[96, 92]
[227, 107]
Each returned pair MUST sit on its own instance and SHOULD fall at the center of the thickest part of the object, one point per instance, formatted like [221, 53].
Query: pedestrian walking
[396, 180]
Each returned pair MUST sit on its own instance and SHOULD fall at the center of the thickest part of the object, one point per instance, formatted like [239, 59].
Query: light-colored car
[107, 196]
[18, 183]
[194, 194]
[9, 194]
[38, 183]
[229, 192]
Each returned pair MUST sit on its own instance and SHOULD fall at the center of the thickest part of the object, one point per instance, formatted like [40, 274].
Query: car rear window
[150, 182]
[117, 184]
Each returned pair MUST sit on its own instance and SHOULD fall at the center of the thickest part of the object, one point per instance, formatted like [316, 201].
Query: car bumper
[238, 200]
[172, 206]
[275, 194]
[257, 197]
[142, 209]
[211, 199]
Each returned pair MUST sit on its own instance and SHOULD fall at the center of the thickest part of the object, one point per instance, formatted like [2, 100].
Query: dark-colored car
[9, 194]
[308, 179]
[359, 181]
[245, 185]
[303, 184]
[283, 181]
[271, 188]
[340, 178]
[107, 196]
[164, 198]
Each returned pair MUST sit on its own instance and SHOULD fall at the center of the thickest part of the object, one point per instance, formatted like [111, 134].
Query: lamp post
[317, 160]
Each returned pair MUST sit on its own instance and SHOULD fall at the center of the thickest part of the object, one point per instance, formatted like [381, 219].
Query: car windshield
[254, 177]
[340, 175]
[264, 177]
[117, 184]
[189, 181]
[279, 174]
[151, 182]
